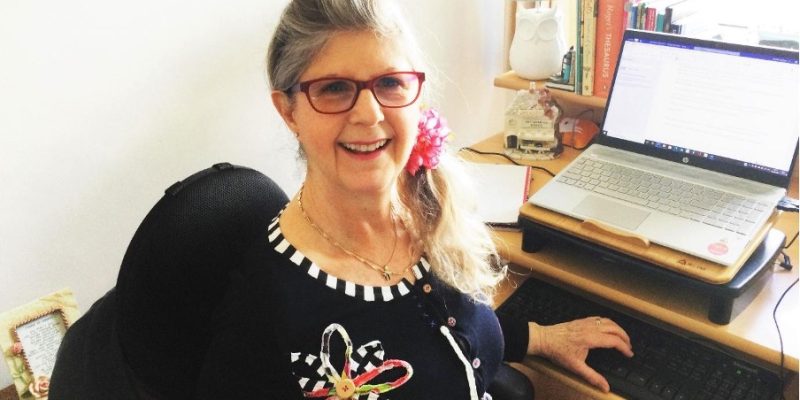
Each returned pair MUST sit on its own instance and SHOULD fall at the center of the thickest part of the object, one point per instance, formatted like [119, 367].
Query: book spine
[572, 70]
[560, 86]
[640, 13]
[633, 14]
[626, 12]
[590, 20]
[659, 22]
[579, 47]
[650, 19]
[667, 19]
[610, 28]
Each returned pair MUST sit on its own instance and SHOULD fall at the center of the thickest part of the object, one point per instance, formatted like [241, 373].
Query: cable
[547, 171]
[791, 242]
[490, 153]
[782, 371]
[788, 204]
[787, 262]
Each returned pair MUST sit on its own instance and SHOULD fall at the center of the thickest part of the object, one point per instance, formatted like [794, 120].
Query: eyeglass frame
[360, 85]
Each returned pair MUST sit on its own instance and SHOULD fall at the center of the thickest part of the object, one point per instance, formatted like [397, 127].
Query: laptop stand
[726, 300]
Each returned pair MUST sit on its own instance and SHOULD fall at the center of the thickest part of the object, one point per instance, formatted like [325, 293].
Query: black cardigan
[283, 316]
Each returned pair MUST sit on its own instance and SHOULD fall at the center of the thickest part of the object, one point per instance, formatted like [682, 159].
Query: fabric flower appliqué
[433, 133]
[40, 388]
[355, 379]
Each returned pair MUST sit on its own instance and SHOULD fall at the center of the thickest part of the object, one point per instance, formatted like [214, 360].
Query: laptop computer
[696, 148]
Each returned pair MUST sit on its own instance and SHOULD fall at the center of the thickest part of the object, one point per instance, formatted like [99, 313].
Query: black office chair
[146, 338]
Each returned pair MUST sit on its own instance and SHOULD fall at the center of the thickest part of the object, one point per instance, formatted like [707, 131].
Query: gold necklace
[383, 270]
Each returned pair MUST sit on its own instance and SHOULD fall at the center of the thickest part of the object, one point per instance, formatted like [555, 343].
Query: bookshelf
[571, 102]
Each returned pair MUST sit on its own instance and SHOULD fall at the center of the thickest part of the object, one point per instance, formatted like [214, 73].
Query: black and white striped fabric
[364, 292]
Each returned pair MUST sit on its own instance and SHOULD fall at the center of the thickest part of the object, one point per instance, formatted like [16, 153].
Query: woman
[373, 281]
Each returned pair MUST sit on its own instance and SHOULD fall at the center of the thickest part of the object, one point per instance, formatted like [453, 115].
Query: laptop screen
[727, 107]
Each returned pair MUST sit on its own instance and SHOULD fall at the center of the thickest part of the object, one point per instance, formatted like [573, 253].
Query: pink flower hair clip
[433, 133]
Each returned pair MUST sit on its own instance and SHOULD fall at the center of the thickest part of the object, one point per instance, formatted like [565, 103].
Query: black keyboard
[665, 365]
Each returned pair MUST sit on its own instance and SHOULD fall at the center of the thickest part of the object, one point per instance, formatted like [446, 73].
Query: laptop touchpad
[611, 212]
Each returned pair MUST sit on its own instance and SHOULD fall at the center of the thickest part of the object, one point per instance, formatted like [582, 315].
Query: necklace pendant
[387, 275]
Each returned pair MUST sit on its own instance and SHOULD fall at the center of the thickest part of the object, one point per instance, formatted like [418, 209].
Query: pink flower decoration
[433, 133]
[548, 103]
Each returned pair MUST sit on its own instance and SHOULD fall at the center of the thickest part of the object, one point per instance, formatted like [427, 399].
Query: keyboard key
[669, 392]
[656, 386]
[637, 379]
[620, 371]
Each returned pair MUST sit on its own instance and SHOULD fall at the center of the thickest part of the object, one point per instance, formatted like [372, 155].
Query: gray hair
[306, 25]
[450, 233]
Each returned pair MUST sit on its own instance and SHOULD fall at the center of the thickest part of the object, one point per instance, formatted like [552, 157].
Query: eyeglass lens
[339, 94]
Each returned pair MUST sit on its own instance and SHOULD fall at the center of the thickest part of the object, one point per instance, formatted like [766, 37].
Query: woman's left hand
[567, 344]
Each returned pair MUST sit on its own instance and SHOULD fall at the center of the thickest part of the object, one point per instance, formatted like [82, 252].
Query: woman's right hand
[567, 344]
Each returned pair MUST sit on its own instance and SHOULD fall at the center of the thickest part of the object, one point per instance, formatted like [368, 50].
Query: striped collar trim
[364, 292]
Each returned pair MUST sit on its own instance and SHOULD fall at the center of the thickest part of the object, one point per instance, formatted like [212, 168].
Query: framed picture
[30, 337]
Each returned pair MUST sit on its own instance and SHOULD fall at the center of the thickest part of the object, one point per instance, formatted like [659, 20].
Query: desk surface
[752, 332]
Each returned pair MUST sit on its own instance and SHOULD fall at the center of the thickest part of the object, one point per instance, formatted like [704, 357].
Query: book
[656, 12]
[660, 22]
[566, 79]
[578, 59]
[570, 87]
[589, 22]
[667, 19]
[501, 189]
[641, 9]
[610, 27]
[650, 18]
[632, 13]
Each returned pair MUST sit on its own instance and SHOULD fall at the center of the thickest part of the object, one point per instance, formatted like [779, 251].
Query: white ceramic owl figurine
[538, 44]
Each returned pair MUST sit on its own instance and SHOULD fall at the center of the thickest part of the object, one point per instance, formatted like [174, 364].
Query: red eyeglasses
[338, 95]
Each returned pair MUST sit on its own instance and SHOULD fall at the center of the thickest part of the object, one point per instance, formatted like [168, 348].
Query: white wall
[104, 104]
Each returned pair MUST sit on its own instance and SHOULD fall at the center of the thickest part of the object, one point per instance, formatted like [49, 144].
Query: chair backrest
[174, 273]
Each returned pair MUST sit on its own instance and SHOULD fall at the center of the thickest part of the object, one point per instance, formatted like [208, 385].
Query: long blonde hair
[456, 241]
[433, 203]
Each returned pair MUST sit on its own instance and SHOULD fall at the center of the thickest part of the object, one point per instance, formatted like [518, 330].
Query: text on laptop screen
[738, 107]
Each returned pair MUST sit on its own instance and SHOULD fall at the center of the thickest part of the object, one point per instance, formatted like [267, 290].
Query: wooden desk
[752, 332]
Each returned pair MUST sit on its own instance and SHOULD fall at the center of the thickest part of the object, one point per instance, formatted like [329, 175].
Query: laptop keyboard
[665, 365]
[683, 199]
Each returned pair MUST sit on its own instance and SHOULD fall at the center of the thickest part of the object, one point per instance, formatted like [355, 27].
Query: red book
[610, 27]
[650, 19]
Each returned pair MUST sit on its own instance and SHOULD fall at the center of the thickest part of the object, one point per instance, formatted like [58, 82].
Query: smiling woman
[105, 104]
[388, 294]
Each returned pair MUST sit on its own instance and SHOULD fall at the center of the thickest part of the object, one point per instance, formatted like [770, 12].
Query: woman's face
[362, 150]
